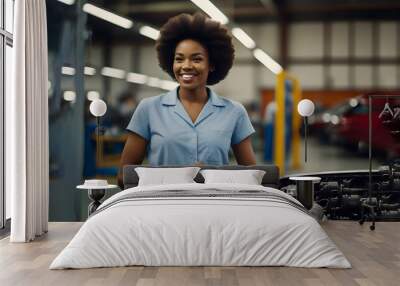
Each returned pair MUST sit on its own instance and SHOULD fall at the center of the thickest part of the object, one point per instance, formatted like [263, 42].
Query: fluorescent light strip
[154, 82]
[151, 81]
[136, 78]
[107, 16]
[68, 71]
[168, 84]
[49, 88]
[68, 2]
[69, 95]
[211, 10]
[89, 71]
[93, 95]
[149, 32]
[71, 71]
[243, 38]
[113, 72]
[267, 61]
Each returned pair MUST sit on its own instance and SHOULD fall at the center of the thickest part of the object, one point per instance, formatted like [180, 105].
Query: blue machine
[269, 124]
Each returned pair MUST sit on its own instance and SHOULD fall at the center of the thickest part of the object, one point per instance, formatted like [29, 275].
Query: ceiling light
[211, 10]
[68, 2]
[93, 95]
[267, 61]
[89, 71]
[107, 16]
[168, 84]
[49, 88]
[136, 78]
[113, 72]
[149, 32]
[335, 119]
[243, 38]
[154, 82]
[353, 102]
[69, 95]
[68, 71]
[326, 117]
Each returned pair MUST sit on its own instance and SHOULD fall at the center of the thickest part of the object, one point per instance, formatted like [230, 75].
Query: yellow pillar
[279, 127]
[296, 123]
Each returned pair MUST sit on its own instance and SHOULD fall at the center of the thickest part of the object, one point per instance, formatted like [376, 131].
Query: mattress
[201, 225]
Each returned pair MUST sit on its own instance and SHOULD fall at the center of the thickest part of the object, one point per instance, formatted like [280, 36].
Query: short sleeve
[139, 122]
[243, 127]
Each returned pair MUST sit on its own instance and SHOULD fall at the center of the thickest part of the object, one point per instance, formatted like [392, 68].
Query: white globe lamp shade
[98, 107]
[306, 107]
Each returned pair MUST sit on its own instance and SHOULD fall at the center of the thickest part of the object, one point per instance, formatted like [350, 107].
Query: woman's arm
[244, 152]
[133, 153]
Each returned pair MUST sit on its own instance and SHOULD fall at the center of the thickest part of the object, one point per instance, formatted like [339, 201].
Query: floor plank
[375, 257]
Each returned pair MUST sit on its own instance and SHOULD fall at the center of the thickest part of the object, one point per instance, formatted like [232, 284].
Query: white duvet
[200, 231]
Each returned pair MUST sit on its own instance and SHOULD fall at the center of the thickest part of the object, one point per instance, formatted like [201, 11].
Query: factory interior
[337, 53]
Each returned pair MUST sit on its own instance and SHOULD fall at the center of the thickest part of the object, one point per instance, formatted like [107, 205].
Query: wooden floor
[375, 256]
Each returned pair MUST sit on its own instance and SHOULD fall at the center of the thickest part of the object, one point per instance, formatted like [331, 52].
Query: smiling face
[191, 65]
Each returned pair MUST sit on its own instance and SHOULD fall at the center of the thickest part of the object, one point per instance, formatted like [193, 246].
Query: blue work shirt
[173, 139]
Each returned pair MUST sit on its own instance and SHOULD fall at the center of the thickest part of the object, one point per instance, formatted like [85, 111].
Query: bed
[201, 224]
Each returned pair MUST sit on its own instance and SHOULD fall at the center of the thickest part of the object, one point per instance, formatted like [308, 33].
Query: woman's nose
[187, 64]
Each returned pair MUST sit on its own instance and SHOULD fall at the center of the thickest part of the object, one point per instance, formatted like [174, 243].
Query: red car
[322, 122]
[352, 126]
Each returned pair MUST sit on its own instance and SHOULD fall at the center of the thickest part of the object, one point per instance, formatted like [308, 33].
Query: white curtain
[27, 146]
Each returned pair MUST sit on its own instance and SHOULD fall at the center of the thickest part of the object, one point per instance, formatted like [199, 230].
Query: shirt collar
[171, 98]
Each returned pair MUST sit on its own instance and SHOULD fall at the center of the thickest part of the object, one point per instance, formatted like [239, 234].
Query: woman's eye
[197, 60]
[178, 59]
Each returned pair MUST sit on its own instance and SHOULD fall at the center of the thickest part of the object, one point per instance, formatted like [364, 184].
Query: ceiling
[156, 12]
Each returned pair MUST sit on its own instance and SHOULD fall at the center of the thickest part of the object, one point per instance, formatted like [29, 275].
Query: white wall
[363, 76]
[310, 76]
[388, 76]
[340, 39]
[387, 39]
[306, 40]
[239, 84]
[339, 76]
[363, 39]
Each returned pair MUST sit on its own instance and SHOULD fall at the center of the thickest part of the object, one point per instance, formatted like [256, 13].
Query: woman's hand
[133, 153]
[244, 152]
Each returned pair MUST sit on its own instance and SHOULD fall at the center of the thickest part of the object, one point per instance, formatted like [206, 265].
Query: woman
[190, 125]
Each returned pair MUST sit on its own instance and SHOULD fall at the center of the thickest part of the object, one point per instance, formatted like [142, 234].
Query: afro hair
[210, 34]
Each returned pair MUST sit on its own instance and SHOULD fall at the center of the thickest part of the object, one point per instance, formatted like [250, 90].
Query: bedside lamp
[305, 108]
[95, 187]
[305, 185]
[98, 108]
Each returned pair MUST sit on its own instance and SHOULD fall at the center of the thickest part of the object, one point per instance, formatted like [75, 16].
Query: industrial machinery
[345, 195]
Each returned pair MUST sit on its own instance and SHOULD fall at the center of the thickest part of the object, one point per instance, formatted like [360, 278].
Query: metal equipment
[346, 195]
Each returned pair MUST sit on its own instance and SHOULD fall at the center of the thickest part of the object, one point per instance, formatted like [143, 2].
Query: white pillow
[248, 177]
[164, 176]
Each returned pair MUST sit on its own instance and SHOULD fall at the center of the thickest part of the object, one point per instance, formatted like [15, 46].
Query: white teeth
[187, 76]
